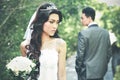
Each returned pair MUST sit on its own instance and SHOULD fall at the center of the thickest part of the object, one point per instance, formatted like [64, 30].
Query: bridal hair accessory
[51, 7]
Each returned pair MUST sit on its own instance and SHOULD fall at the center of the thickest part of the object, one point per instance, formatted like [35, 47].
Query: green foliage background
[117, 75]
[15, 15]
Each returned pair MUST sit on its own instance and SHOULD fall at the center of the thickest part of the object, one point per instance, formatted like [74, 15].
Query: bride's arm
[23, 47]
[27, 36]
[62, 61]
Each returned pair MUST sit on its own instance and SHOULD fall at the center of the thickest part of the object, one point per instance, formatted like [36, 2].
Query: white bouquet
[20, 66]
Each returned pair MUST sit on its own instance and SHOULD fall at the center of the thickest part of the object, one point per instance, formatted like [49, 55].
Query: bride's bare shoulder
[61, 42]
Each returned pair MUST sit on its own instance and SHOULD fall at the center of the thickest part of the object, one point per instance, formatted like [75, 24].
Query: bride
[43, 44]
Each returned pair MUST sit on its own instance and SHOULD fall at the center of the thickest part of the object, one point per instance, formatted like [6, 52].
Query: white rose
[20, 64]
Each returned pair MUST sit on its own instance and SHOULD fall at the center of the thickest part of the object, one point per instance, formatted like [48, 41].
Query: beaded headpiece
[52, 6]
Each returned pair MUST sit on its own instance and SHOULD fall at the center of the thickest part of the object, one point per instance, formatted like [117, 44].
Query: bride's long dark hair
[41, 17]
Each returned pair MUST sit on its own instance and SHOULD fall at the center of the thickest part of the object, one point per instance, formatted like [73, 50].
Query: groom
[94, 49]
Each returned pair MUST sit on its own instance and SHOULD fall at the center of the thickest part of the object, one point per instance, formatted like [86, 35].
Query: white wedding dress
[48, 64]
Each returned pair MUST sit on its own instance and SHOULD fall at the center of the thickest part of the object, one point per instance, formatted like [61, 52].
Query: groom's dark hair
[89, 12]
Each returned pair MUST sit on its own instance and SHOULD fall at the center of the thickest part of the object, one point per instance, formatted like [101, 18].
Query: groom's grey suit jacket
[94, 52]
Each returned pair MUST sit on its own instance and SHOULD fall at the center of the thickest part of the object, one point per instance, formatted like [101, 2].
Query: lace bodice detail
[48, 64]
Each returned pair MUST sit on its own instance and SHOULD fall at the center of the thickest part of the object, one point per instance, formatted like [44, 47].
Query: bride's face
[50, 26]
